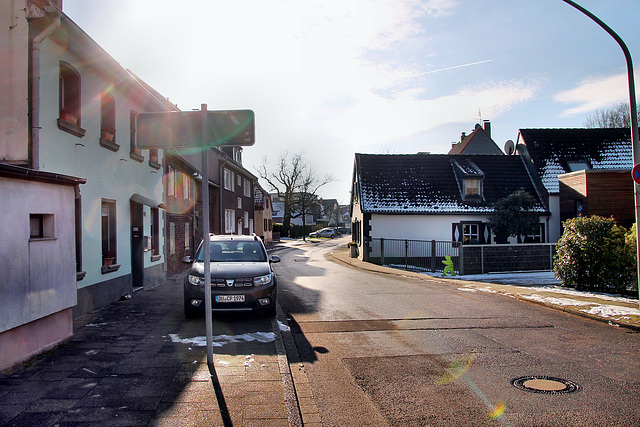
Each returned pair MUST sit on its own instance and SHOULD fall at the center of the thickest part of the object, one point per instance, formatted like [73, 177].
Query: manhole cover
[546, 385]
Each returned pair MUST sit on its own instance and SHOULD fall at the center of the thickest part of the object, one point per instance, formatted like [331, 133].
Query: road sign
[184, 129]
[635, 173]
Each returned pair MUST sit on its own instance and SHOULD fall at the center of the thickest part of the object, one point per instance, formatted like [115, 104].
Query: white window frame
[229, 220]
[247, 188]
[472, 190]
[239, 202]
[228, 180]
[245, 223]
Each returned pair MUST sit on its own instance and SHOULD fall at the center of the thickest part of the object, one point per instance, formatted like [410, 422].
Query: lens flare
[457, 368]
[497, 412]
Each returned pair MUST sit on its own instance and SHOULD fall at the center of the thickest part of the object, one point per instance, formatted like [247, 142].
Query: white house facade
[81, 122]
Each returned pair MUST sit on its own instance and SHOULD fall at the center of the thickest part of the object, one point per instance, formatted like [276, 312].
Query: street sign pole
[208, 318]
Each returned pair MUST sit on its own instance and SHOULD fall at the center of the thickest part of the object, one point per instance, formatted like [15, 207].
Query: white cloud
[595, 93]
[377, 120]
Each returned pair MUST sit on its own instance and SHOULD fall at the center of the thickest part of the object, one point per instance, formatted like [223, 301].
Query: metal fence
[427, 255]
[416, 255]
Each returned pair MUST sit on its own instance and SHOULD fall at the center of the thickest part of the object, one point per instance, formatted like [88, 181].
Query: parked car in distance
[242, 277]
[324, 232]
[344, 230]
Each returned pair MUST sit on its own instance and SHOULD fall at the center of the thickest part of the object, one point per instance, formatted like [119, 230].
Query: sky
[332, 78]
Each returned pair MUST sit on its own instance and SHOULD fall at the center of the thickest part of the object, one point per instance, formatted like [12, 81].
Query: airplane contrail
[449, 68]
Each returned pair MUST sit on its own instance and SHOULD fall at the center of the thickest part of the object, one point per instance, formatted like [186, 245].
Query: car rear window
[232, 251]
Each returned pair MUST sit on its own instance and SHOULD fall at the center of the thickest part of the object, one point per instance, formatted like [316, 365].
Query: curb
[503, 292]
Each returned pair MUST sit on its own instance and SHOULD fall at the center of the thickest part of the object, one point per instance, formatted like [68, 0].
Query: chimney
[463, 136]
[487, 127]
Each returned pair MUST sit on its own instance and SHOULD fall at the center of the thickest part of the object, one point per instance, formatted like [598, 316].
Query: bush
[595, 254]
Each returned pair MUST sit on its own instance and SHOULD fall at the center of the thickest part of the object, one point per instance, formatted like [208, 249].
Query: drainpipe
[35, 83]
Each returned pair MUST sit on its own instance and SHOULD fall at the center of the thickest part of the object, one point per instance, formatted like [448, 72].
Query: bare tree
[617, 116]
[295, 181]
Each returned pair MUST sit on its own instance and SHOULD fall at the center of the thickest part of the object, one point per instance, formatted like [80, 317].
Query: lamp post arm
[633, 111]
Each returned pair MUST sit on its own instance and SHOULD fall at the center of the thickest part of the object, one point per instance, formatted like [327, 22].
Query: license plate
[229, 298]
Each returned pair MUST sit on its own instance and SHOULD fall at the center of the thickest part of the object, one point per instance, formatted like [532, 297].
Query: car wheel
[191, 312]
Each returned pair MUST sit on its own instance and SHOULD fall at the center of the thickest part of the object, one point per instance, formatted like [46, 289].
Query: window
[239, 181]
[472, 187]
[186, 186]
[41, 226]
[172, 238]
[537, 237]
[266, 225]
[70, 100]
[578, 166]
[108, 122]
[246, 220]
[579, 207]
[247, 188]
[228, 180]
[134, 151]
[239, 203]
[470, 233]
[155, 232]
[153, 158]
[187, 238]
[171, 181]
[109, 233]
[250, 226]
[229, 220]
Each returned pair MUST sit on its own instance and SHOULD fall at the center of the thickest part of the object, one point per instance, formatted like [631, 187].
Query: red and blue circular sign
[635, 173]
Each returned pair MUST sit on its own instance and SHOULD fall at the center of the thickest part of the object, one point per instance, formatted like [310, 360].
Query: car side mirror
[275, 258]
[186, 260]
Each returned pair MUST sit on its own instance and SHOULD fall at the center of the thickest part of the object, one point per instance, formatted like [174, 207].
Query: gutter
[35, 83]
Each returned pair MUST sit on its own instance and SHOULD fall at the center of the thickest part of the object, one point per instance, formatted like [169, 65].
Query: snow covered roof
[429, 184]
[553, 150]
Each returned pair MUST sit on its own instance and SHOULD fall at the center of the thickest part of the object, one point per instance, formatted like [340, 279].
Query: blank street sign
[183, 129]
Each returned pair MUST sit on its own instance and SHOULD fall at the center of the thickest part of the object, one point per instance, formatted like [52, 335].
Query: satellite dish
[509, 147]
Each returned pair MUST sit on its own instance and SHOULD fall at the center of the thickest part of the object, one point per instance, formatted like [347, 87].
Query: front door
[137, 245]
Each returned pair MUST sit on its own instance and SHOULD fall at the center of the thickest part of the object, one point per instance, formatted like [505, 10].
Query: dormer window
[472, 187]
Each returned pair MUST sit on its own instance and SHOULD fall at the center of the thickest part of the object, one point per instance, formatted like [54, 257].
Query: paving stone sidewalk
[132, 364]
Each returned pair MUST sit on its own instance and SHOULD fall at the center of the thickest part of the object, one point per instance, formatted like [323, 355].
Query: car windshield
[234, 251]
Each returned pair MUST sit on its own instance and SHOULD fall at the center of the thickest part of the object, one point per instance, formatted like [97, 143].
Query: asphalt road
[388, 350]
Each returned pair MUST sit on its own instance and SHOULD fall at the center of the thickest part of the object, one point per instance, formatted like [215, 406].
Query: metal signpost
[204, 129]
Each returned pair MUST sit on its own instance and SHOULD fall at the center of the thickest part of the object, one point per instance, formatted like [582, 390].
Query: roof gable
[477, 142]
[428, 183]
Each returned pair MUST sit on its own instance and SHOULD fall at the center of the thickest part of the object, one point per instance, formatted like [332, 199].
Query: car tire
[191, 312]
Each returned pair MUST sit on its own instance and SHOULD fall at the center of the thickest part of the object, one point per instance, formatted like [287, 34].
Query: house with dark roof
[437, 196]
[554, 152]
[477, 142]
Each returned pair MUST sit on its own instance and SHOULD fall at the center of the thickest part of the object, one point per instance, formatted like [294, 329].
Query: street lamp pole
[633, 111]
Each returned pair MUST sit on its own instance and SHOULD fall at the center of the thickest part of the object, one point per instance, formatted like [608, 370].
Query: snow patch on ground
[612, 311]
[557, 301]
[283, 327]
[221, 340]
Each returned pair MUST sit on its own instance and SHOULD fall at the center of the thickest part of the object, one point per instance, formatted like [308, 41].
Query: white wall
[555, 226]
[418, 227]
[14, 51]
[38, 276]
[110, 175]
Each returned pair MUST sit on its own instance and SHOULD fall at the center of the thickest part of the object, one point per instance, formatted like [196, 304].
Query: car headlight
[195, 280]
[262, 280]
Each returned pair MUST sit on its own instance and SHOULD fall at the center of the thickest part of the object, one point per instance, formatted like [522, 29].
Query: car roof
[230, 237]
